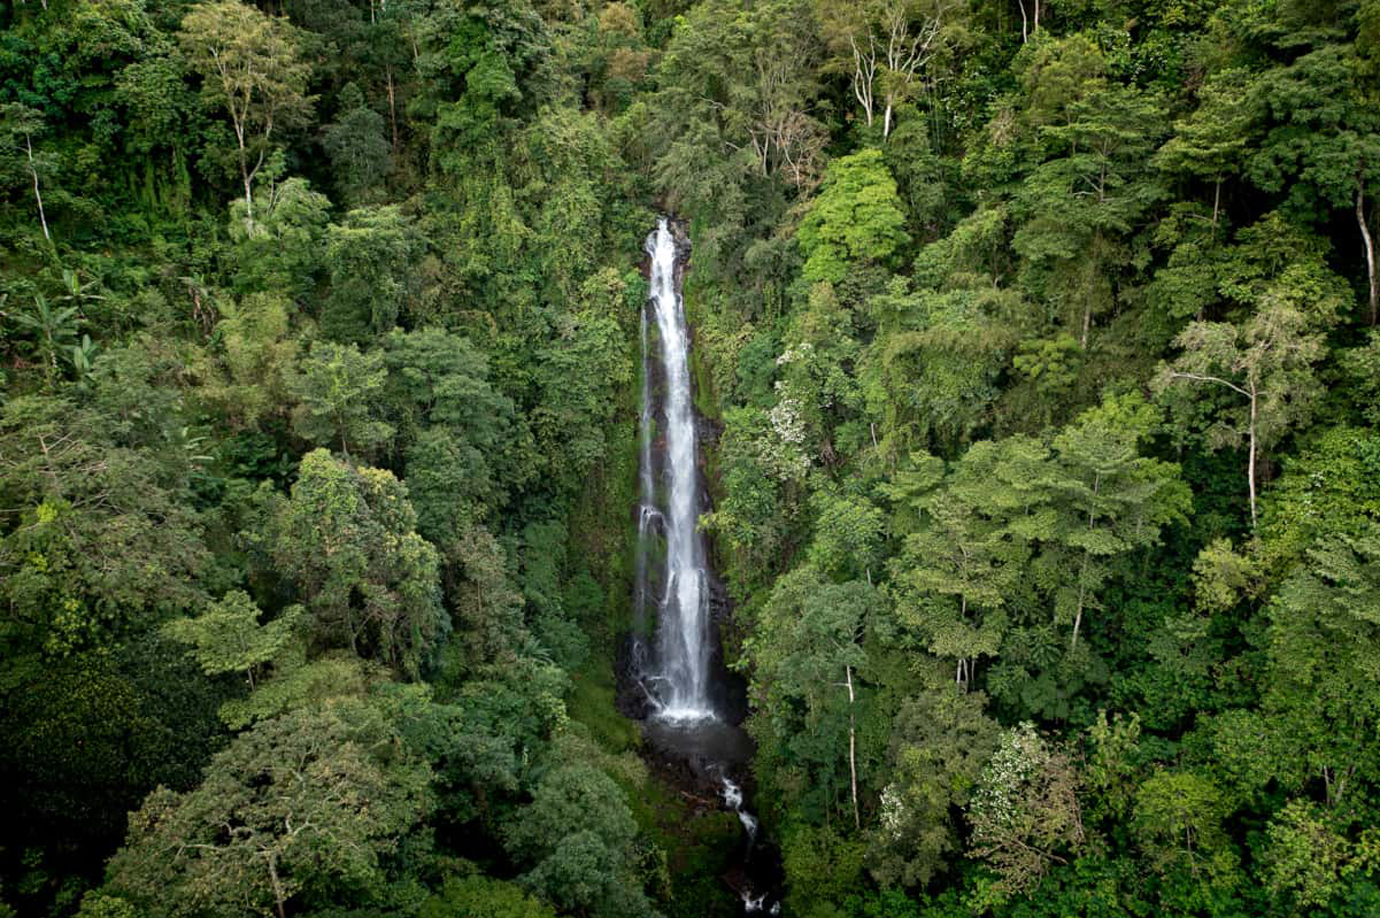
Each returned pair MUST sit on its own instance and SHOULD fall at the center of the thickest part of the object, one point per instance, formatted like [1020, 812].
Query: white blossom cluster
[893, 816]
[784, 454]
[795, 352]
[1013, 765]
[785, 418]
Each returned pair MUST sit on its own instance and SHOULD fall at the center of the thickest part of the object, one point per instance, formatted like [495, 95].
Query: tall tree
[19, 125]
[370, 256]
[1092, 189]
[857, 219]
[808, 646]
[1025, 812]
[1211, 142]
[884, 45]
[940, 741]
[1323, 145]
[347, 539]
[100, 539]
[294, 809]
[1267, 361]
[1178, 822]
[1324, 645]
[963, 564]
[359, 151]
[227, 637]
[341, 392]
[1113, 499]
[579, 834]
[249, 63]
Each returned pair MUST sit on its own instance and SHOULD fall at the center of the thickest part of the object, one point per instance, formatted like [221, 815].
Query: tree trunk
[886, 121]
[392, 110]
[1083, 575]
[38, 196]
[247, 177]
[1216, 205]
[1078, 618]
[1370, 254]
[1025, 34]
[1250, 462]
[248, 201]
[852, 749]
[278, 894]
[864, 76]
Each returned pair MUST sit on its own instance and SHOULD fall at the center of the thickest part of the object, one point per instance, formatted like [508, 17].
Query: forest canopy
[1036, 353]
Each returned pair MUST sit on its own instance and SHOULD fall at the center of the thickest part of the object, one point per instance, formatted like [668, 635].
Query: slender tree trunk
[278, 893]
[247, 177]
[38, 195]
[248, 200]
[1216, 204]
[886, 121]
[864, 76]
[1083, 575]
[1370, 254]
[1025, 34]
[1250, 462]
[392, 109]
[852, 749]
[1078, 618]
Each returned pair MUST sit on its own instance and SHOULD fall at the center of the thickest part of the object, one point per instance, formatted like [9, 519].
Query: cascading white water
[676, 677]
[733, 796]
[683, 651]
[677, 681]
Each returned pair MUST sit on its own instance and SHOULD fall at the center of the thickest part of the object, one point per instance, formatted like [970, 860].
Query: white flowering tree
[1025, 813]
[940, 741]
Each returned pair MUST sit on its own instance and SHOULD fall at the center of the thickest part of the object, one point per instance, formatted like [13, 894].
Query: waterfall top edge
[672, 229]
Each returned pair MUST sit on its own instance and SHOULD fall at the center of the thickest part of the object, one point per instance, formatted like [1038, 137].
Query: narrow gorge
[689, 708]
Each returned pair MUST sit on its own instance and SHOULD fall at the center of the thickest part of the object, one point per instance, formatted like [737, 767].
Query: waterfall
[672, 588]
[682, 611]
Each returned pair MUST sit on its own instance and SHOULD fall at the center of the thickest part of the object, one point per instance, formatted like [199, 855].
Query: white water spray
[733, 796]
[683, 610]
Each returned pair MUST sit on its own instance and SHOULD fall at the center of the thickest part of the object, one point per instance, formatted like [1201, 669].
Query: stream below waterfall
[690, 706]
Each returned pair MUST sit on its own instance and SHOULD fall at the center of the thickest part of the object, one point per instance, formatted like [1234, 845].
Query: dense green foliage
[1039, 340]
